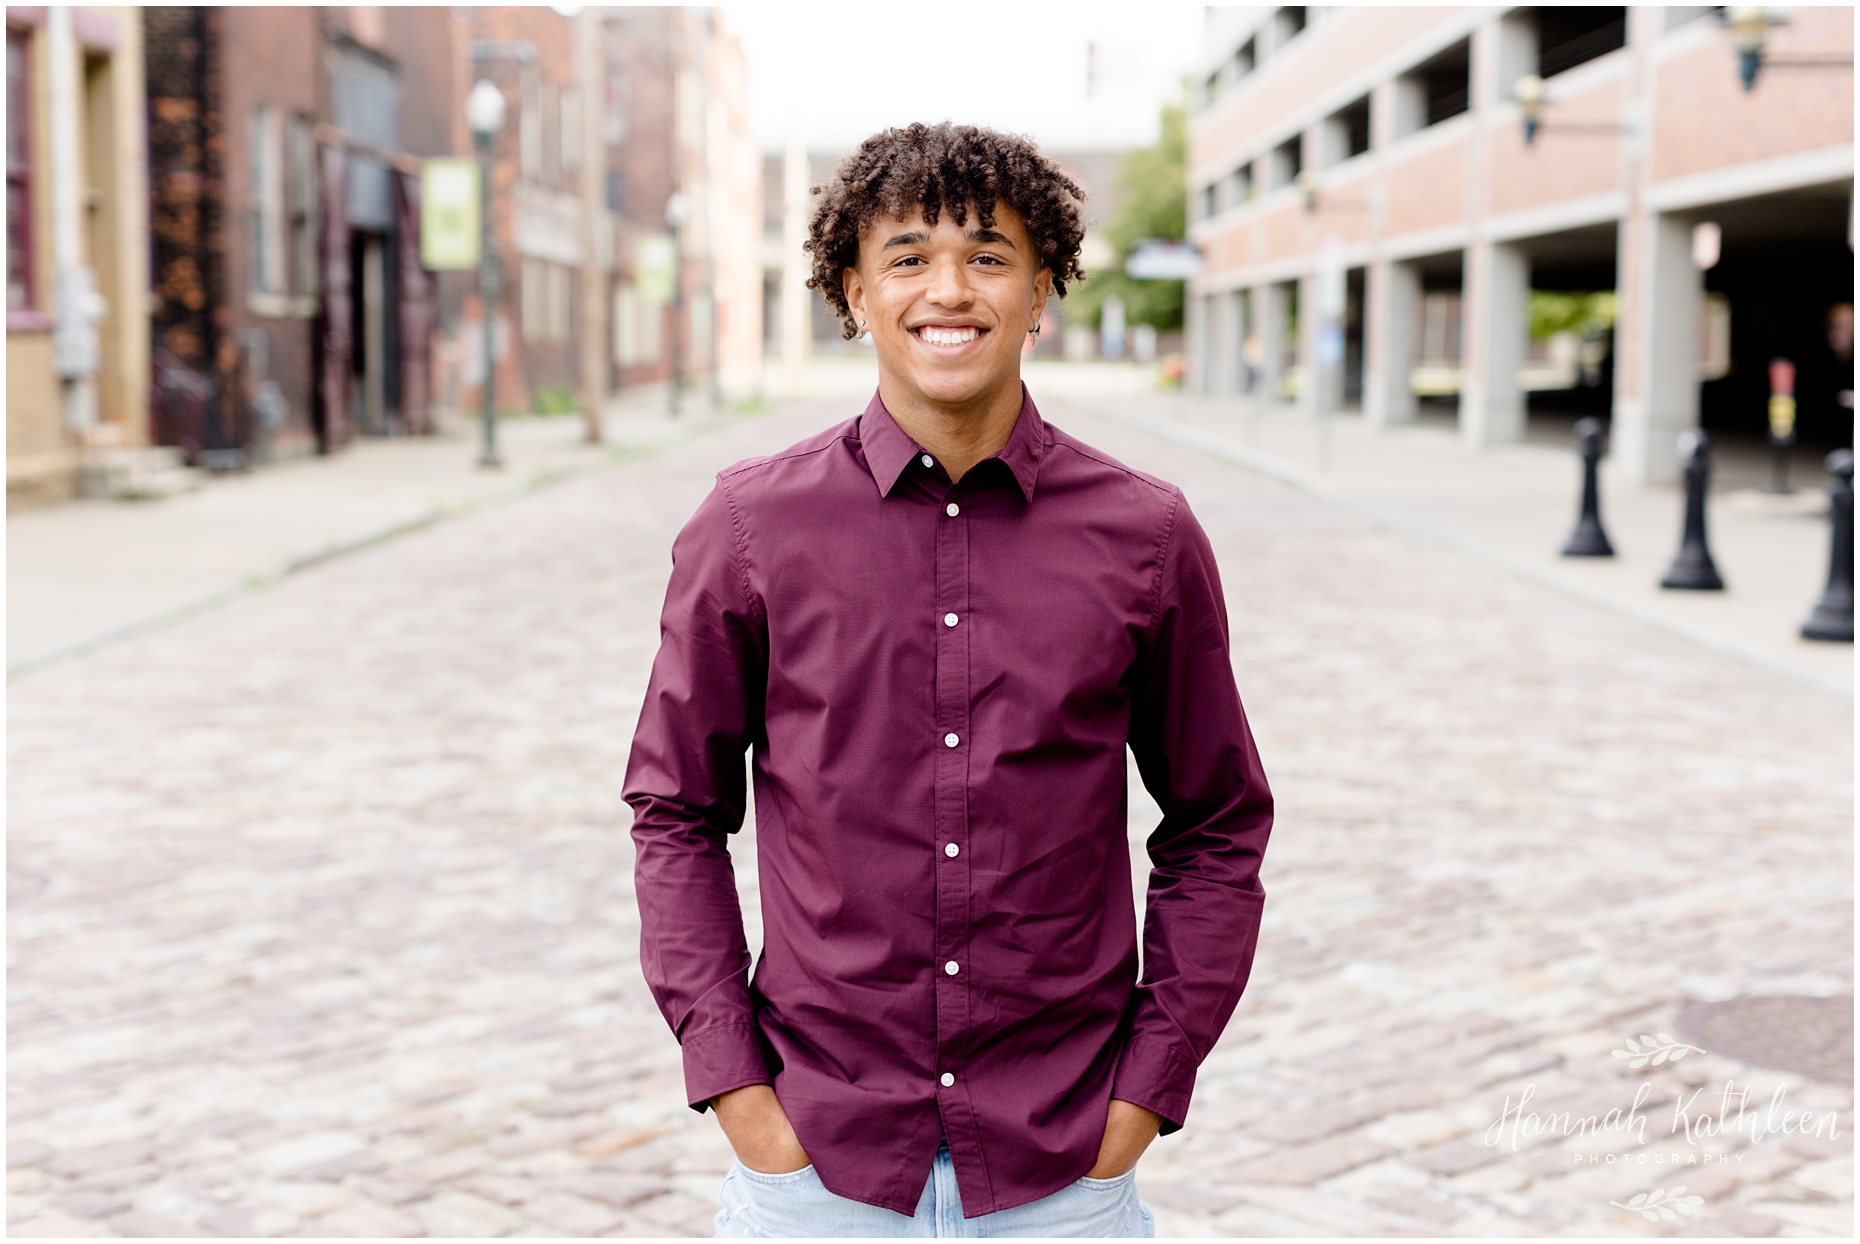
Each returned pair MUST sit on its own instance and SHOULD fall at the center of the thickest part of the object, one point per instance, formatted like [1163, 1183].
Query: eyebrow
[917, 237]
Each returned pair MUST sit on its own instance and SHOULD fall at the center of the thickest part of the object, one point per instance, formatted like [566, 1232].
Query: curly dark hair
[962, 168]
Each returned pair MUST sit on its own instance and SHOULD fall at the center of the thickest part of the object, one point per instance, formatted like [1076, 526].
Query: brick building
[1378, 232]
[76, 223]
[291, 310]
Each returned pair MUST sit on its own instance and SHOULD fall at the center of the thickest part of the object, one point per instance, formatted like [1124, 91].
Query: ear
[854, 287]
[1042, 290]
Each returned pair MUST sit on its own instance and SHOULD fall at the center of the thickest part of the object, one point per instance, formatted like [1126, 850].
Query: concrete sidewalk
[90, 571]
[1514, 505]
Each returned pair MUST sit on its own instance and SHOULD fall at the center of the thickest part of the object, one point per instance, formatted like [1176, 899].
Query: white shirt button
[951, 968]
[950, 740]
[952, 509]
[952, 850]
[929, 461]
[948, 1079]
[949, 619]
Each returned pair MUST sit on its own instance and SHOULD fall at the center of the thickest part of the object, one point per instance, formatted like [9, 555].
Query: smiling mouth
[937, 335]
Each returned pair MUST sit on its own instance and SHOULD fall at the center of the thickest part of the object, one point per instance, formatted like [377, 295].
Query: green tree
[1155, 184]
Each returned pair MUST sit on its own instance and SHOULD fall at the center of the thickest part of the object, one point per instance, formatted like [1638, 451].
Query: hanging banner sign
[449, 222]
[654, 262]
[1154, 260]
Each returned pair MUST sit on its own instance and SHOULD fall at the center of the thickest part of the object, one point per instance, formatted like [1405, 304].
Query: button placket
[952, 747]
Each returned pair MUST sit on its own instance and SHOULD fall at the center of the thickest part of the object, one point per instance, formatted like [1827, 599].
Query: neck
[958, 435]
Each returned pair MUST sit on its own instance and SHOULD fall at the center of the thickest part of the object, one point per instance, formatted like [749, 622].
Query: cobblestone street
[321, 916]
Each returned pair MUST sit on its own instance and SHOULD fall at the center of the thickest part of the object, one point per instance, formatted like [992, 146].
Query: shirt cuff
[1152, 1075]
[719, 1059]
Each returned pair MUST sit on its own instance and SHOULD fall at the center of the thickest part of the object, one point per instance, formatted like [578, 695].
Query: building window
[19, 283]
[1290, 21]
[1288, 160]
[265, 199]
[1210, 200]
[1246, 59]
[1567, 37]
[1242, 191]
[300, 186]
[1436, 89]
[1347, 132]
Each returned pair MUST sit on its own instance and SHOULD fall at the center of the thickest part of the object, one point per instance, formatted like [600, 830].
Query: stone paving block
[249, 1222]
[1294, 1127]
[393, 1192]
[26, 1153]
[365, 1220]
[619, 1191]
[1307, 1164]
[1418, 1205]
[92, 1204]
[141, 1224]
[1187, 1197]
[553, 1136]
[55, 1225]
[1456, 1156]
[101, 1158]
[572, 1214]
[121, 1177]
[504, 1189]
[471, 1217]
[440, 1169]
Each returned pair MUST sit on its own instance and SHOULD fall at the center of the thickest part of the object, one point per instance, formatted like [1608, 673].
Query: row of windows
[1286, 23]
[1433, 91]
[19, 290]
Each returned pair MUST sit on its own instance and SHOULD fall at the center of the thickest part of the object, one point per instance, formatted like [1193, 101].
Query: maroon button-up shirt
[938, 682]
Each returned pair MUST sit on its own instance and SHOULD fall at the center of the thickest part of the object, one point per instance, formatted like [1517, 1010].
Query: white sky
[836, 72]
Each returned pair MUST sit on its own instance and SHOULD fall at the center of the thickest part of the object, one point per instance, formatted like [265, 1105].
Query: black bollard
[1589, 540]
[1692, 569]
[1832, 618]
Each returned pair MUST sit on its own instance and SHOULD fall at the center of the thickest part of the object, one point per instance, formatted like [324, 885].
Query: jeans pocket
[1116, 1183]
[781, 1180]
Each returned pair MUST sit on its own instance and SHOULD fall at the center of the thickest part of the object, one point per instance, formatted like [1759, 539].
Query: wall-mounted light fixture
[1750, 32]
[1531, 95]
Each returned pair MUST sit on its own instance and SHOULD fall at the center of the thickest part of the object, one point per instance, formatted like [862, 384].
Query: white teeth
[948, 336]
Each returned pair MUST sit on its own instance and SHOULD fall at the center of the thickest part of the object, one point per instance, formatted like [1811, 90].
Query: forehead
[885, 225]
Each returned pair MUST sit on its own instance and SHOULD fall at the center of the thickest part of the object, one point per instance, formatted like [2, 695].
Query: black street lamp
[1531, 96]
[484, 113]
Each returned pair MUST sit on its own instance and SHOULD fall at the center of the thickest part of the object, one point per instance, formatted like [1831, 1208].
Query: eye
[909, 261]
[996, 260]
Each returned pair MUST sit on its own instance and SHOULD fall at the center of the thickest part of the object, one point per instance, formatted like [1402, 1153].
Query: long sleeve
[685, 782]
[1196, 755]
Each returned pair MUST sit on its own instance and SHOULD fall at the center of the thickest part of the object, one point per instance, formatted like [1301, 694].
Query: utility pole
[597, 232]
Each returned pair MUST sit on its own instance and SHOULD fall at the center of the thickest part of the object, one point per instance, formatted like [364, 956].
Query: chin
[966, 385]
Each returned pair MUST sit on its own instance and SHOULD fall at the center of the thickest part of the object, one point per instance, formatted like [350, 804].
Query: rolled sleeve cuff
[1153, 1075]
[720, 1059]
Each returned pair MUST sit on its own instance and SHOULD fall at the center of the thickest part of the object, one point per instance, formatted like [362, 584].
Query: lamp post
[484, 113]
[677, 211]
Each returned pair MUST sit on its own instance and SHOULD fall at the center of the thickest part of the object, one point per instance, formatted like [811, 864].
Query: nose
[949, 284]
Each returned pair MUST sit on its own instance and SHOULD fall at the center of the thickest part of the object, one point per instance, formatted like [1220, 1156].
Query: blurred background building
[1508, 214]
[76, 243]
[214, 227]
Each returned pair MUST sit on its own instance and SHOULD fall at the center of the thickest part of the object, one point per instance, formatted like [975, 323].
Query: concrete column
[1391, 339]
[1656, 343]
[597, 239]
[1497, 310]
[1309, 321]
[1195, 330]
[1274, 310]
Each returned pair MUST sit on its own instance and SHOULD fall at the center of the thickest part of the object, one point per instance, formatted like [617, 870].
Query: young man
[937, 626]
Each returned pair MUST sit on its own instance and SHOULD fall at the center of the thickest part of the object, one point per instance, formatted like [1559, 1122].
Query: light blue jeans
[798, 1205]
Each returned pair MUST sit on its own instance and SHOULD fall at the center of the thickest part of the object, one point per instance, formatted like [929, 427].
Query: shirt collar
[888, 451]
